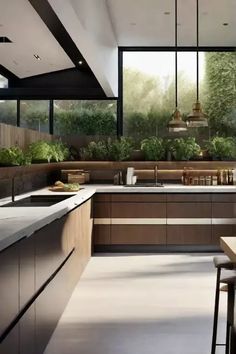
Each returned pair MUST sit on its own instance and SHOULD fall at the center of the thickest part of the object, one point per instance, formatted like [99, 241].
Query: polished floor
[141, 304]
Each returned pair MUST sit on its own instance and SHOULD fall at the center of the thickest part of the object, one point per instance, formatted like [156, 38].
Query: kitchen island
[44, 250]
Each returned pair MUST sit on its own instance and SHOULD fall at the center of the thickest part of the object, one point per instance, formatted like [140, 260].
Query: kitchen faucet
[155, 175]
[13, 189]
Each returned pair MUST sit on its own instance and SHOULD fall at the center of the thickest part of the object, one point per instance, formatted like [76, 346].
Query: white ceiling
[97, 27]
[143, 22]
[21, 24]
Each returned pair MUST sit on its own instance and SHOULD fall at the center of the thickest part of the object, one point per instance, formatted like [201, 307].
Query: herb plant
[184, 149]
[153, 148]
[11, 156]
[222, 148]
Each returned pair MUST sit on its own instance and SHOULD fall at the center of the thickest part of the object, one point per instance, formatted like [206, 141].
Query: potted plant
[40, 151]
[220, 148]
[119, 149]
[184, 149]
[12, 156]
[153, 149]
[94, 151]
[59, 151]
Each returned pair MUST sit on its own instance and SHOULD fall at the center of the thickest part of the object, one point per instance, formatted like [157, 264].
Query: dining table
[228, 245]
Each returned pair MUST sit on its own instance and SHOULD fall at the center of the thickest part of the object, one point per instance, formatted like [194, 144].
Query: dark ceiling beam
[51, 20]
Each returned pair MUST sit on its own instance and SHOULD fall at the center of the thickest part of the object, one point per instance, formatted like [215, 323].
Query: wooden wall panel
[10, 136]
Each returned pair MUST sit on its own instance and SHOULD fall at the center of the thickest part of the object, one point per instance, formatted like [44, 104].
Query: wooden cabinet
[189, 234]
[102, 219]
[27, 342]
[163, 218]
[39, 274]
[138, 234]
[51, 248]
[49, 306]
[10, 345]
[223, 216]
[9, 289]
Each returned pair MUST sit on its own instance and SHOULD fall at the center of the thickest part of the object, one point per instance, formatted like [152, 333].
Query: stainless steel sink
[38, 201]
[144, 185]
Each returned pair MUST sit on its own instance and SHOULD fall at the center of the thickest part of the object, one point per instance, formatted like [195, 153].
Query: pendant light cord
[176, 57]
[197, 32]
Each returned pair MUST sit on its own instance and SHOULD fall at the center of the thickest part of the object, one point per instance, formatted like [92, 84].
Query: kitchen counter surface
[19, 222]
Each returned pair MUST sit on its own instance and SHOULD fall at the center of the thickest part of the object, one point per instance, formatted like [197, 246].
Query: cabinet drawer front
[188, 210]
[222, 230]
[138, 210]
[102, 210]
[189, 235]
[223, 210]
[138, 197]
[102, 234]
[102, 197]
[224, 197]
[9, 288]
[189, 197]
[138, 234]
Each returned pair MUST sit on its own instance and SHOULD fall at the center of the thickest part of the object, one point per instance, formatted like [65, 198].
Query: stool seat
[223, 262]
[228, 277]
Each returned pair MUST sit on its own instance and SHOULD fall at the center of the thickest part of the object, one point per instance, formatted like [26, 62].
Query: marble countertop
[19, 222]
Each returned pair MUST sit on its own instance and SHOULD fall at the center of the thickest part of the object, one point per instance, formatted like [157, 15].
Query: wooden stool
[220, 262]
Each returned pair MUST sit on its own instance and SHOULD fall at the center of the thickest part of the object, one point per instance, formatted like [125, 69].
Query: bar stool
[221, 262]
[229, 278]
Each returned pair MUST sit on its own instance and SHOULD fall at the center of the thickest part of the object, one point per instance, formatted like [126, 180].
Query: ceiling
[98, 27]
[144, 22]
[29, 35]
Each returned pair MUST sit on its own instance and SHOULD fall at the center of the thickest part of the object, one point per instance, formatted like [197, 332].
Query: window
[149, 91]
[3, 82]
[8, 112]
[85, 117]
[35, 115]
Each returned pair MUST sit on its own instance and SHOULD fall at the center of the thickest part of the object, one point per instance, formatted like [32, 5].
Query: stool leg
[227, 338]
[231, 318]
[216, 311]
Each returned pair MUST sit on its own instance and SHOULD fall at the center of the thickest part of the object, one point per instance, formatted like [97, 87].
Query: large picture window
[149, 91]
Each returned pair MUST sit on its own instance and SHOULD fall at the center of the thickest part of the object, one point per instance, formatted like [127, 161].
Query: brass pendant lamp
[197, 118]
[176, 124]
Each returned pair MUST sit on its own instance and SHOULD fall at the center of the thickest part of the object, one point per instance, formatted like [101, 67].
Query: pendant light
[176, 124]
[197, 118]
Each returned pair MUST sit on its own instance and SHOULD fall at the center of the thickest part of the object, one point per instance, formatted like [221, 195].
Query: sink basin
[145, 185]
[38, 201]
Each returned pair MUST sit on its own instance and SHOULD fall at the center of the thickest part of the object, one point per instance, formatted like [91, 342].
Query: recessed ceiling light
[80, 62]
[37, 57]
[225, 24]
[167, 13]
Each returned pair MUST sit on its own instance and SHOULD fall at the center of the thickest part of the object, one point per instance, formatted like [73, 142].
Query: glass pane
[218, 92]
[3, 82]
[148, 93]
[8, 111]
[85, 117]
[34, 115]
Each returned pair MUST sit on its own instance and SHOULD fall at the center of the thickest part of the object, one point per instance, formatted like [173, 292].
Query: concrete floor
[141, 304]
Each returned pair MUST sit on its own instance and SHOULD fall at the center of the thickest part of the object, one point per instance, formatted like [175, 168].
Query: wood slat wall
[22, 137]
